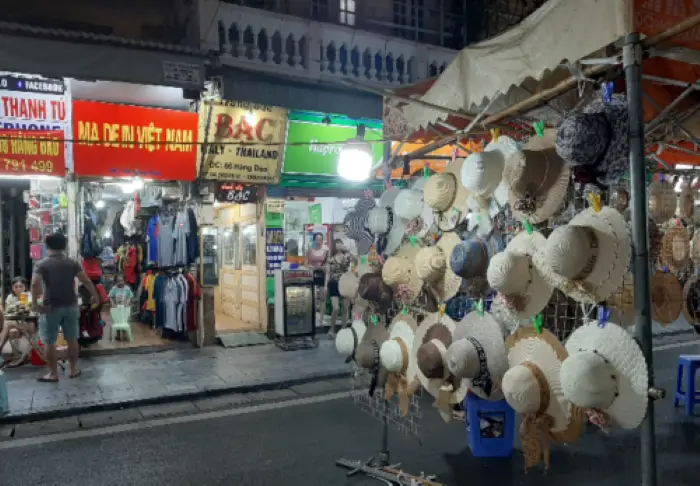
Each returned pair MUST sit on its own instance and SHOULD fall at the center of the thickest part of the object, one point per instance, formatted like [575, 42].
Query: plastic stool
[120, 322]
[687, 364]
[4, 396]
[481, 444]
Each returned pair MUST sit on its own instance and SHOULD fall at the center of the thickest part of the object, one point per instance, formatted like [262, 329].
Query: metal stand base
[295, 343]
[389, 474]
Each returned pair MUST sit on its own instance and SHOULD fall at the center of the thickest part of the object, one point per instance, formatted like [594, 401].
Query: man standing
[54, 279]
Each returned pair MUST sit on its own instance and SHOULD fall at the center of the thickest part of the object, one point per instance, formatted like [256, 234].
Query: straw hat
[423, 224]
[347, 285]
[525, 291]
[606, 371]
[619, 199]
[532, 388]
[383, 222]
[396, 357]
[695, 249]
[408, 204]
[367, 353]
[373, 289]
[686, 203]
[666, 298]
[662, 201]
[399, 270]
[537, 178]
[348, 338]
[433, 267]
[588, 258]
[675, 249]
[478, 354]
[655, 237]
[432, 339]
[691, 300]
[355, 225]
[621, 302]
[470, 258]
[482, 172]
[509, 321]
[445, 194]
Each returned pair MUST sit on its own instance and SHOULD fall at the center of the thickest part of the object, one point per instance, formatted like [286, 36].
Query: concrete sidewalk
[127, 381]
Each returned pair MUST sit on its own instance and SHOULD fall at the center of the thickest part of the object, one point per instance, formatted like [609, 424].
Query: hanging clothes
[166, 244]
[131, 265]
[118, 236]
[181, 231]
[128, 218]
[152, 239]
[194, 293]
[192, 238]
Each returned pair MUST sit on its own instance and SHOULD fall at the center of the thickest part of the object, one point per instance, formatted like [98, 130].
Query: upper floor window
[409, 18]
[319, 9]
[347, 12]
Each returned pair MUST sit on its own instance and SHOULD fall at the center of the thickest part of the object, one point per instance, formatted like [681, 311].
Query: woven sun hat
[430, 344]
[619, 198]
[470, 258]
[505, 317]
[399, 272]
[666, 298]
[695, 250]
[373, 289]
[482, 172]
[686, 203]
[675, 248]
[537, 179]
[433, 267]
[596, 138]
[355, 225]
[691, 300]
[395, 354]
[588, 258]
[445, 194]
[478, 354]
[347, 285]
[348, 338]
[367, 353]
[382, 221]
[662, 201]
[523, 288]
[423, 224]
[408, 204]
[655, 237]
[606, 371]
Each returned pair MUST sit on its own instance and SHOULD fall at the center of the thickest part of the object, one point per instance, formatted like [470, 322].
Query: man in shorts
[54, 280]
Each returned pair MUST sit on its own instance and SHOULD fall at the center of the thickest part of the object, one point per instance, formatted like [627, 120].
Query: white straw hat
[382, 221]
[606, 371]
[445, 194]
[348, 338]
[482, 172]
[588, 258]
[478, 354]
[400, 270]
[433, 267]
[396, 357]
[409, 203]
[525, 290]
[348, 285]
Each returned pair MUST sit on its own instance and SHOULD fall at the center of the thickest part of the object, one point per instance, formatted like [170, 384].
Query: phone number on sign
[20, 165]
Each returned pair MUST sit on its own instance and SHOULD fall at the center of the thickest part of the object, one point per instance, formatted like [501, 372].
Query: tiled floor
[144, 336]
[123, 378]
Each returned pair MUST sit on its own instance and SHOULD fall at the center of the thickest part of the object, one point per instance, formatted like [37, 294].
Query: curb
[42, 415]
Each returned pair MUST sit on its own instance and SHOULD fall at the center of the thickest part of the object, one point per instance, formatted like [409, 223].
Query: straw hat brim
[547, 353]
[666, 298]
[621, 350]
[662, 201]
[459, 202]
[505, 317]
[388, 197]
[621, 302]
[404, 326]
[675, 239]
[428, 218]
[395, 235]
[348, 284]
[449, 284]
[690, 311]
[433, 386]
[408, 251]
[507, 147]
[490, 334]
[612, 261]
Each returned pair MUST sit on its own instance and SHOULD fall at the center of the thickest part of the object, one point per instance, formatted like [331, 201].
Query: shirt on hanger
[152, 238]
[181, 231]
[166, 250]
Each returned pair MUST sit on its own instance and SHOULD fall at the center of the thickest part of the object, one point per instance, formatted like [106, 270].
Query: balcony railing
[292, 46]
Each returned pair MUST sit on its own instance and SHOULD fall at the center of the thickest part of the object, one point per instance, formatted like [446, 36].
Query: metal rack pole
[632, 62]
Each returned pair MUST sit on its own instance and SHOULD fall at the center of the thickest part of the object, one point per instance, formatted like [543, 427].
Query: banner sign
[124, 140]
[314, 148]
[231, 192]
[274, 249]
[39, 152]
[244, 141]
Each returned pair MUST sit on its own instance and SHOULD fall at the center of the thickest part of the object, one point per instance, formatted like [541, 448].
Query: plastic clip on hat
[606, 372]
[396, 357]
[433, 267]
[446, 195]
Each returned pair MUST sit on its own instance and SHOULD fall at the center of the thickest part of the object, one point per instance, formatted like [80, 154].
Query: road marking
[664, 347]
[118, 429]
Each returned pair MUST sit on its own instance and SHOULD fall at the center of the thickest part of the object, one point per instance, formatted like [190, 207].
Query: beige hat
[399, 270]
[666, 298]
[433, 267]
[619, 198]
[662, 201]
[348, 338]
[675, 249]
[537, 178]
[396, 357]
[408, 204]
[686, 203]
[348, 284]
[606, 372]
[367, 353]
[482, 172]
[691, 300]
[445, 194]
[525, 290]
[588, 258]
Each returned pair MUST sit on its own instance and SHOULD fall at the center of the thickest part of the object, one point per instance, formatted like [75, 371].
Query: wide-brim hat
[662, 201]
[619, 198]
[597, 137]
[399, 271]
[423, 224]
[348, 338]
[388, 197]
[373, 289]
[355, 223]
[445, 194]
[535, 360]
[478, 354]
[430, 344]
[505, 317]
[691, 300]
[470, 258]
[588, 258]
[666, 298]
[367, 352]
[408, 204]
[606, 371]
[686, 203]
[525, 291]
[348, 284]
[537, 179]
[396, 353]
[433, 267]
[382, 221]
[675, 249]
[482, 172]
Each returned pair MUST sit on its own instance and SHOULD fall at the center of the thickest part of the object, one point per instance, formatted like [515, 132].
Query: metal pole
[632, 62]
[383, 458]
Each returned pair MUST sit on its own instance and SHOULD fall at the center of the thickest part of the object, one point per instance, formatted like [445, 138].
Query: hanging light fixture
[355, 160]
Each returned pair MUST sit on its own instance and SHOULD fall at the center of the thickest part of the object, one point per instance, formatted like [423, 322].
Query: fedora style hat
[675, 248]
[523, 288]
[662, 201]
[373, 289]
[433, 338]
[596, 138]
[355, 223]
[367, 353]
[588, 258]
[445, 194]
[532, 388]
[606, 372]
[433, 267]
[399, 272]
[666, 298]
[348, 338]
[408, 203]
[382, 221]
[478, 354]
[537, 179]
[470, 258]
[396, 357]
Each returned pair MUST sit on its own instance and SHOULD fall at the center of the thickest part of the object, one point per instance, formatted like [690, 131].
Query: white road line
[664, 347]
[117, 429]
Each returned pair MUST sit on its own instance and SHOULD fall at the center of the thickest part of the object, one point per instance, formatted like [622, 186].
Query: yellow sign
[244, 142]
[275, 205]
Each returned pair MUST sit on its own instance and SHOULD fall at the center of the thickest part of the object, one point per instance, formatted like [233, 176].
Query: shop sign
[232, 192]
[275, 205]
[243, 141]
[39, 152]
[124, 140]
[314, 148]
[315, 214]
[274, 249]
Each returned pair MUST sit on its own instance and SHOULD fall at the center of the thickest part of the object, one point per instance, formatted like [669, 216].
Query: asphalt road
[298, 444]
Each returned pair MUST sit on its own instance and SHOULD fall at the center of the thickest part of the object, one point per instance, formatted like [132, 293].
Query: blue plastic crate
[490, 427]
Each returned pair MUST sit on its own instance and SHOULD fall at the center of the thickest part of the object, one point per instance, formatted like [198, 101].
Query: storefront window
[231, 247]
[250, 242]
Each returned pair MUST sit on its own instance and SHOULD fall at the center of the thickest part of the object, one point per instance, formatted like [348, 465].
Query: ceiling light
[137, 184]
[684, 167]
[355, 159]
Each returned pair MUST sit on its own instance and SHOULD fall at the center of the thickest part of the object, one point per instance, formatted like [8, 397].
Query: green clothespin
[439, 233]
[363, 259]
[480, 307]
[404, 311]
[426, 170]
[527, 226]
[375, 319]
[537, 322]
[539, 128]
[413, 240]
[477, 218]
